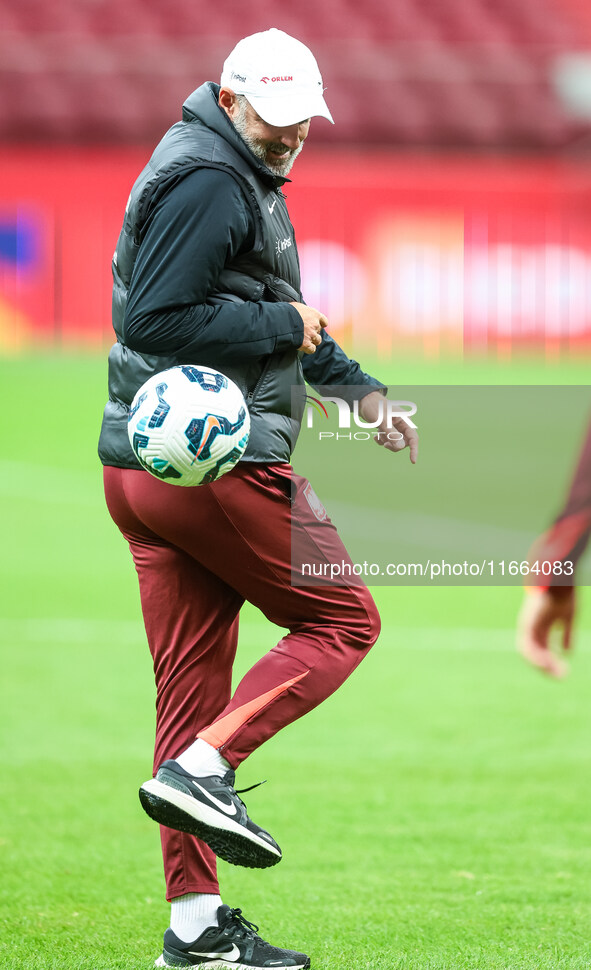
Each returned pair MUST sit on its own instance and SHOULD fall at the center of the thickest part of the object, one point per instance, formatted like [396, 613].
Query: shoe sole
[224, 965]
[230, 841]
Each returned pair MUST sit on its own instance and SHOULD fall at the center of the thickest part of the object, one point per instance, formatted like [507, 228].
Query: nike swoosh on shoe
[231, 810]
[233, 954]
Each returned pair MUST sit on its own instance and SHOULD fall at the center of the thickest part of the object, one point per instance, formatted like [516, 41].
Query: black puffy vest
[269, 272]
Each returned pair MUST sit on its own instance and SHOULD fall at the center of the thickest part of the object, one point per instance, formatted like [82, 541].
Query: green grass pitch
[434, 813]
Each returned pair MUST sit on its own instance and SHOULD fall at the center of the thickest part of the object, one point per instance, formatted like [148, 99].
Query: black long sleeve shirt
[195, 230]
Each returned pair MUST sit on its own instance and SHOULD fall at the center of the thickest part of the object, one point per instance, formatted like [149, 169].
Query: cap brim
[282, 112]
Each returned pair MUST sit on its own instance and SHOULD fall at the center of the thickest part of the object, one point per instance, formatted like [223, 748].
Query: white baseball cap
[278, 75]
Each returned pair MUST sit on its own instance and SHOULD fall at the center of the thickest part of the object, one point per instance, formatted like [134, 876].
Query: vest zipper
[252, 394]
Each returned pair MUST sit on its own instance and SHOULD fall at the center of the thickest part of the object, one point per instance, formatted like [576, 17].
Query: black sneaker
[232, 943]
[210, 809]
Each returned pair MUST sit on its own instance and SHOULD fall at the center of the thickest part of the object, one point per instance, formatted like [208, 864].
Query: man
[552, 604]
[206, 272]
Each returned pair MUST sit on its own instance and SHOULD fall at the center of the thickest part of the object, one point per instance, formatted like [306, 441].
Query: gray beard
[258, 148]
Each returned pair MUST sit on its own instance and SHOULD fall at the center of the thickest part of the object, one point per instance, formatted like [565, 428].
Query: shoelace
[241, 791]
[244, 925]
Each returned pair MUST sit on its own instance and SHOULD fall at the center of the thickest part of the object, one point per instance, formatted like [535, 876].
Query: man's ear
[227, 101]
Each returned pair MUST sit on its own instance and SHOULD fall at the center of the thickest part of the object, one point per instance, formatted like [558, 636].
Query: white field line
[424, 531]
[50, 484]
[374, 534]
[382, 529]
[69, 630]
[381, 536]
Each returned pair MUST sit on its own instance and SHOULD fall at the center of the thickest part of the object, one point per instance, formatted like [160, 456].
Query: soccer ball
[188, 425]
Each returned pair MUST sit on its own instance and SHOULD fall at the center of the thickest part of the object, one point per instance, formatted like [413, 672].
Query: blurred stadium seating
[416, 73]
[467, 230]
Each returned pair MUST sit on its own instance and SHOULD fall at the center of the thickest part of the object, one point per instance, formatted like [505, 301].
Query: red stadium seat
[470, 73]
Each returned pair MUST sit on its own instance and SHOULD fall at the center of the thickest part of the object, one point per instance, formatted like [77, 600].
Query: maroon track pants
[199, 554]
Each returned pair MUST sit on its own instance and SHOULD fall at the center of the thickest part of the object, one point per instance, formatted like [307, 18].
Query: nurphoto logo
[390, 413]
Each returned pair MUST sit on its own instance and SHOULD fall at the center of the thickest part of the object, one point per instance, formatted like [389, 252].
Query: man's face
[278, 148]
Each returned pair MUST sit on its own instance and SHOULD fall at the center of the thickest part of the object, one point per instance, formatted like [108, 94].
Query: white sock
[191, 914]
[202, 759]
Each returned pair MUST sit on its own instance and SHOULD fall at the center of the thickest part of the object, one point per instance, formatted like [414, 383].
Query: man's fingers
[409, 440]
[536, 623]
[311, 343]
[543, 659]
[314, 322]
[390, 445]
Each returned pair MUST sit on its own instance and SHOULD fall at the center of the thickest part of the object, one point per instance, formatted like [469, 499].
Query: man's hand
[542, 612]
[314, 322]
[369, 408]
